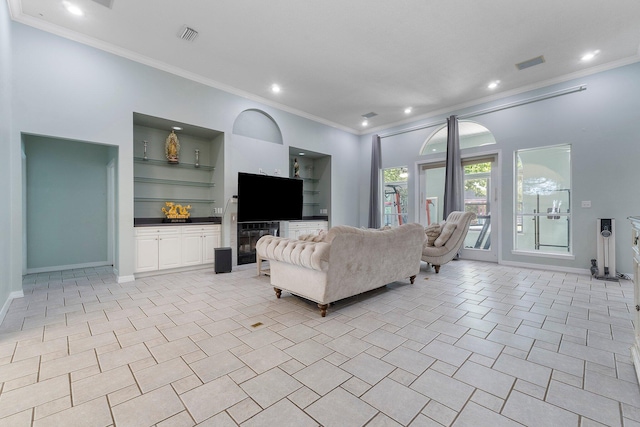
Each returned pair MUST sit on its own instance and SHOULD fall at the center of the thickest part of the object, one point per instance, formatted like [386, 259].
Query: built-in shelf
[158, 199]
[311, 192]
[310, 204]
[157, 162]
[173, 182]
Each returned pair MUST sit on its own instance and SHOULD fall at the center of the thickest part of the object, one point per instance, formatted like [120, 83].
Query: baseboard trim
[546, 267]
[126, 279]
[66, 267]
[174, 270]
[7, 303]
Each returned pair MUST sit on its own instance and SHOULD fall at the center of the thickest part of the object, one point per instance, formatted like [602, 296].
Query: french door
[480, 196]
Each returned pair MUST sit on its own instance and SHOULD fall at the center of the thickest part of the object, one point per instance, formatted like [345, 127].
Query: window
[471, 134]
[395, 196]
[542, 200]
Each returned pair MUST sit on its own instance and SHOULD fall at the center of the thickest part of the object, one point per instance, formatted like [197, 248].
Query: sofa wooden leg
[278, 292]
[412, 279]
[437, 267]
[323, 309]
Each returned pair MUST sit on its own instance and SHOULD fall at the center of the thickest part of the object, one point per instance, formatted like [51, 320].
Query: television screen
[268, 198]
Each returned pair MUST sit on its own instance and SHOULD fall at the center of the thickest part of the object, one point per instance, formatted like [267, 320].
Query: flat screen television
[268, 198]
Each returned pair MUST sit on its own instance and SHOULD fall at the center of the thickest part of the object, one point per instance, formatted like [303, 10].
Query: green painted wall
[66, 202]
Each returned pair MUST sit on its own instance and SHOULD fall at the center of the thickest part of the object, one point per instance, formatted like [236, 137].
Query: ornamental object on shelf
[176, 211]
[172, 148]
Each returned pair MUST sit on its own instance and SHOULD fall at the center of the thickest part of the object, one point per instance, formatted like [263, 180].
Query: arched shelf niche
[257, 124]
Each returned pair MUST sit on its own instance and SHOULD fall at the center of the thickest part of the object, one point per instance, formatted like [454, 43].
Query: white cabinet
[211, 240]
[635, 243]
[146, 253]
[156, 248]
[191, 248]
[160, 248]
[198, 244]
[169, 249]
[299, 228]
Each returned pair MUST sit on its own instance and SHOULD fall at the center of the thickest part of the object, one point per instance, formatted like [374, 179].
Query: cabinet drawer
[145, 231]
[198, 229]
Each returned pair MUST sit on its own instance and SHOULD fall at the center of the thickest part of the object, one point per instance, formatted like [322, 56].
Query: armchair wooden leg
[278, 292]
[412, 279]
[323, 309]
[437, 267]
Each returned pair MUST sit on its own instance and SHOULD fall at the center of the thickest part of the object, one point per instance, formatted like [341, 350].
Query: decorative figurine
[144, 156]
[197, 164]
[172, 148]
[176, 212]
[296, 168]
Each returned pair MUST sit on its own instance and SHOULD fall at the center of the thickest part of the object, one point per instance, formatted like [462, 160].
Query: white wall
[602, 125]
[10, 278]
[69, 90]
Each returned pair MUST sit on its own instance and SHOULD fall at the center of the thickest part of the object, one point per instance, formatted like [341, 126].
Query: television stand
[248, 235]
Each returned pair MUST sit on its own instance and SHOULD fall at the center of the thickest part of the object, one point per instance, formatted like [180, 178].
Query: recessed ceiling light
[275, 88]
[176, 128]
[72, 8]
[301, 154]
[408, 110]
[494, 84]
[589, 56]
[365, 122]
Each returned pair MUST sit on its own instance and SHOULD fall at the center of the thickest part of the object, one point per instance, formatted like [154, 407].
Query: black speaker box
[222, 260]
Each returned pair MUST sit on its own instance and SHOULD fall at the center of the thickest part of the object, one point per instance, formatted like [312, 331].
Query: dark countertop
[154, 222]
[313, 218]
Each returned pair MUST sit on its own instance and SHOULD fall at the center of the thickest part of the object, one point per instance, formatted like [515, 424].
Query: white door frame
[111, 212]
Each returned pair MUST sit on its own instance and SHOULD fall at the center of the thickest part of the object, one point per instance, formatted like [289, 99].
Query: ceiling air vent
[369, 115]
[188, 34]
[105, 3]
[530, 62]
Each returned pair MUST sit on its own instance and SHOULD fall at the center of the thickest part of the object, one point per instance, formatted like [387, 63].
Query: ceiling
[338, 60]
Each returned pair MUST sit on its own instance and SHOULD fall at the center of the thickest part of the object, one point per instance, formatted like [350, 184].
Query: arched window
[472, 134]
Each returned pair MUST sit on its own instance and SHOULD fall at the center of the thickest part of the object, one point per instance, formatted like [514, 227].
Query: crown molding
[15, 10]
[18, 16]
[534, 86]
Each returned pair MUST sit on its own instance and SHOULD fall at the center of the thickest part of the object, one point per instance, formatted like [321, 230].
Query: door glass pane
[477, 191]
[543, 200]
[433, 193]
[395, 196]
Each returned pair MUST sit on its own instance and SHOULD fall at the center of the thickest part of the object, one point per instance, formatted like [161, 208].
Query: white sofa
[346, 262]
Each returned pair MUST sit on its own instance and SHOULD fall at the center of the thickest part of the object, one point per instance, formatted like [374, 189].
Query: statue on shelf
[176, 211]
[172, 148]
[296, 168]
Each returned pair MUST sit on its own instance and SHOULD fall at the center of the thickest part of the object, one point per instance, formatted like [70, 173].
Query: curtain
[374, 196]
[453, 185]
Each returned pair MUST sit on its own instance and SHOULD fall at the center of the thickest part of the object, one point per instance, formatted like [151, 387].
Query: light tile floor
[476, 345]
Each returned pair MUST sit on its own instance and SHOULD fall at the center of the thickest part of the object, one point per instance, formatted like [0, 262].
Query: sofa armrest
[313, 255]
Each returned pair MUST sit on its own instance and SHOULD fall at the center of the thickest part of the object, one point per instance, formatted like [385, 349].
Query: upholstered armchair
[450, 237]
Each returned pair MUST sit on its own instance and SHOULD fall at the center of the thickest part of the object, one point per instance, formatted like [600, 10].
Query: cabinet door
[191, 248]
[210, 241]
[146, 253]
[169, 251]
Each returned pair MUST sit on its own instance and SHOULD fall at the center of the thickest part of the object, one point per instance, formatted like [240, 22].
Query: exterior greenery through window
[395, 196]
